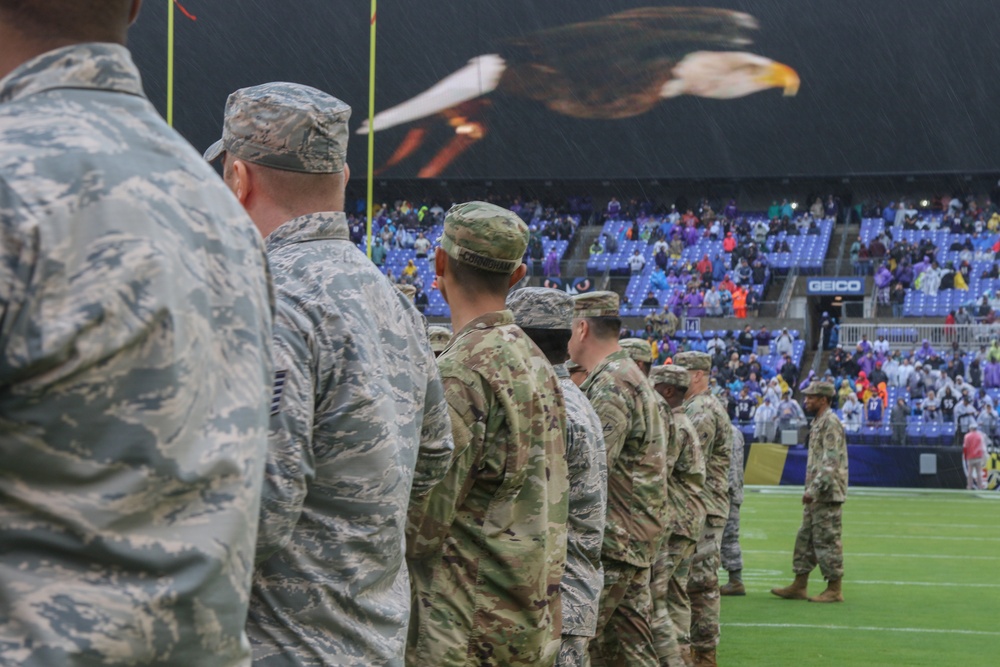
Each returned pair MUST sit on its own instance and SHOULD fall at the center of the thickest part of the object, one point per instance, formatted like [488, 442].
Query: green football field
[921, 584]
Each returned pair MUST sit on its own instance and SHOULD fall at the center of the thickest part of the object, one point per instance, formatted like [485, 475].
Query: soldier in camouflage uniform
[640, 351]
[546, 316]
[716, 436]
[732, 556]
[439, 338]
[637, 519]
[818, 540]
[358, 411]
[488, 545]
[135, 363]
[685, 492]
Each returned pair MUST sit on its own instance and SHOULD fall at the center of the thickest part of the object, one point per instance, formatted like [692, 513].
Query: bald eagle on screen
[616, 67]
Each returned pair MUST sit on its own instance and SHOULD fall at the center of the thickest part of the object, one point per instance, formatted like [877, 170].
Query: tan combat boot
[797, 591]
[735, 585]
[705, 658]
[831, 594]
[686, 656]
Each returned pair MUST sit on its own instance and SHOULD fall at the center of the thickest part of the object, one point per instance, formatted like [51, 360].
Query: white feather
[479, 77]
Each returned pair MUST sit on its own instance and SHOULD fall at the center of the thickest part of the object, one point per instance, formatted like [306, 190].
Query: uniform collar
[312, 227]
[605, 362]
[94, 66]
[492, 320]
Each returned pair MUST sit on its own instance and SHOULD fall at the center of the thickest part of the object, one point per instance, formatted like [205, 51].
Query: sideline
[854, 554]
[980, 633]
[881, 492]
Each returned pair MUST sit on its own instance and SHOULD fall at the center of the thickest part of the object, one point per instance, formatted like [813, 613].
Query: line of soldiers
[220, 449]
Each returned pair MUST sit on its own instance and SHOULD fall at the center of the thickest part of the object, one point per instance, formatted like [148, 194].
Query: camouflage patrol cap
[439, 337]
[285, 126]
[573, 367]
[638, 349]
[670, 374]
[541, 308]
[820, 389]
[694, 361]
[485, 236]
[595, 304]
[409, 291]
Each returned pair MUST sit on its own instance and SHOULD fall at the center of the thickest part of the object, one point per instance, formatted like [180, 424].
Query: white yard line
[888, 519]
[853, 554]
[853, 628]
[851, 582]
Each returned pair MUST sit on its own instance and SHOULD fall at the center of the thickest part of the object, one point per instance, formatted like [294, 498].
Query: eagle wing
[616, 66]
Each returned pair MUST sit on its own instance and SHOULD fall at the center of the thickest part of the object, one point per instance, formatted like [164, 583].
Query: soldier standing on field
[487, 546]
[671, 604]
[358, 413]
[135, 362]
[716, 436]
[637, 517]
[546, 316]
[819, 537]
[732, 555]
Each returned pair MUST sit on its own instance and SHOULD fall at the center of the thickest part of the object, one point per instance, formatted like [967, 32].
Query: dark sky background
[888, 86]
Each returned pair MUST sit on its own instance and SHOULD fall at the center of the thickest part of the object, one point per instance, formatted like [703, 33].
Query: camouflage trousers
[624, 633]
[732, 555]
[703, 587]
[573, 652]
[818, 541]
[671, 605]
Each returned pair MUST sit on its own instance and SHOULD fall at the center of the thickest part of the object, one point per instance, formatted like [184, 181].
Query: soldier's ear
[241, 181]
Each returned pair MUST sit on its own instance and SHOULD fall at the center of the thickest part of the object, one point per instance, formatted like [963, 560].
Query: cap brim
[214, 151]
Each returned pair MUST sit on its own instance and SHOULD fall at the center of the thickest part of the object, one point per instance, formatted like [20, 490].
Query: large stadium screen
[494, 89]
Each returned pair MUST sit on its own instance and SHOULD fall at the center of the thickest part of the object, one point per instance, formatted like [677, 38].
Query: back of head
[546, 316]
[485, 246]
[600, 309]
[67, 21]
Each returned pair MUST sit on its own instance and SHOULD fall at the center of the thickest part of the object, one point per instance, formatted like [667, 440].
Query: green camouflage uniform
[487, 546]
[732, 555]
[715, 433]
[670, 598]
[539, 309]
[135, 373]
[818, 540]
[636, 440]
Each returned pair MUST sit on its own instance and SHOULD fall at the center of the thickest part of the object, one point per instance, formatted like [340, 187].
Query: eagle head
[725, 75]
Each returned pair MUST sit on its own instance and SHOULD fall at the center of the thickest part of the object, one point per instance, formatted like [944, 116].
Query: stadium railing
[912, 335]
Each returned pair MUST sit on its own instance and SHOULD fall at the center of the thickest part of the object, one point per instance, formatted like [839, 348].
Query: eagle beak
[782, 76]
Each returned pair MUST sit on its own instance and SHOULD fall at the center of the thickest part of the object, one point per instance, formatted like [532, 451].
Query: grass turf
[922, 577]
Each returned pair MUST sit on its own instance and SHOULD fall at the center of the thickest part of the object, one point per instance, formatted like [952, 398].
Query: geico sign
[835, 286]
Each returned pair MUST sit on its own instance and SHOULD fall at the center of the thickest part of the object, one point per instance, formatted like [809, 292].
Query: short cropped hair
[605, 327]
[554, 343]
[477, 281]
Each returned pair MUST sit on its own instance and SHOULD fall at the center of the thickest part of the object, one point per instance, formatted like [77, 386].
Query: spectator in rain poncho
[930, 411]
[930, 280]
[784, 344]
[551, 266]
[991, 372]
[883, 279]
[765, 422]
[852, 411]
[790, 414]
[925, 351]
